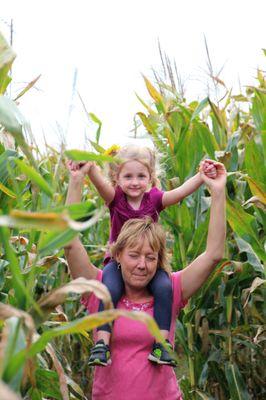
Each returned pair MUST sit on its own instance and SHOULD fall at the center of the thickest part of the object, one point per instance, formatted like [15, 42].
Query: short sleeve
[178, 302]
[156, 197]
[116, 199]
[91, 302]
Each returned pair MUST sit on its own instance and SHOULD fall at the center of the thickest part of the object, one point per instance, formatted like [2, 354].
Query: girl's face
[134, 179]
[138, 264]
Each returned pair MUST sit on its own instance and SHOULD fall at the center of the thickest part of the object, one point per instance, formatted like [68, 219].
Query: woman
[139, 249]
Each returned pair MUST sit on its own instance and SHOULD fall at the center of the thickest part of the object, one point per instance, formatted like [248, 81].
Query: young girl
[132, 193]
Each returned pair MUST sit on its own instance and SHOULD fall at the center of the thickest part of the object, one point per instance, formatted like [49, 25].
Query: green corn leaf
[80, 155]
[16, 341]
[75, 211]
[203, 395]
[35, 177]
[53, 241]
[7, 191]
[17, 277]
[253, 259]
[199, 240]
[257, 189]
[204, 103]
[236, 384]
[10, 117]
[259, 110]
[35, 394]
[97, 147]
[148, 108]
[5, 79]
[146, 123]
[241, 223]
[207, 139]
[254, 161]
[6, 157]
[47, 383]
[7, 56]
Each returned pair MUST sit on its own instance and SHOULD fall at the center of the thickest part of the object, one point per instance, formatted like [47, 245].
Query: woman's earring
[118, 265]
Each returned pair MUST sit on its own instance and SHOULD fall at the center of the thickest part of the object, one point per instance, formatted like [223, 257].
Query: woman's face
[138, 264]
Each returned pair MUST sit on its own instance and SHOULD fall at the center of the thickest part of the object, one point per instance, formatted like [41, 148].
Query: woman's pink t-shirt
[131, 375]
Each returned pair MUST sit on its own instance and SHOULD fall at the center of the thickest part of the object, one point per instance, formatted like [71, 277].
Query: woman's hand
[79, 169]
[214, 183]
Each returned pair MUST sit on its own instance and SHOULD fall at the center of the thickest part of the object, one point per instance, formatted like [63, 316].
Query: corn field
[220, 335]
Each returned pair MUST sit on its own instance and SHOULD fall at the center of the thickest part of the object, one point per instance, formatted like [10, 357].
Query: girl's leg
[100, 352]
[161, 288]
[112, 278]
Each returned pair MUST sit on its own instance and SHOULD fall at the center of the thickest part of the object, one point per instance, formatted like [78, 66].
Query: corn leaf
[80, 155]
[7, 191]
[27, 88]
[241, 223]
[35, 177]
[236, 384]
[257, 189]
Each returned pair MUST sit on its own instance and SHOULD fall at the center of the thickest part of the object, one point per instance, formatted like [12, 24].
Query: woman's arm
[78, 261]
[194, 275]
[75, 253]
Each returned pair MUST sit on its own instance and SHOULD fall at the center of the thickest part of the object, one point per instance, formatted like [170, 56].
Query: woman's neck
[137, 295]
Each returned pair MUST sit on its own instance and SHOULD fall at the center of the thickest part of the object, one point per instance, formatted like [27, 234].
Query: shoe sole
[99, 363]
[157, 361]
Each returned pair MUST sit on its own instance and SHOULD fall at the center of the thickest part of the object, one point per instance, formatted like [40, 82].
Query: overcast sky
[110, 43]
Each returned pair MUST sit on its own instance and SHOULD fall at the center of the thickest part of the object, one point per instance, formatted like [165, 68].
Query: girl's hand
[79, 169]
[209, 168]
[217, 183]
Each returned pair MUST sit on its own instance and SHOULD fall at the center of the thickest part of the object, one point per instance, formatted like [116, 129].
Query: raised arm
[194, 275]
[78, 261]
[104, 188]
[174, 196]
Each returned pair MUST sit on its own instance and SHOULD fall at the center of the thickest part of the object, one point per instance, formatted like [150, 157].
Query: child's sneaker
[100, 354]
[161, 356]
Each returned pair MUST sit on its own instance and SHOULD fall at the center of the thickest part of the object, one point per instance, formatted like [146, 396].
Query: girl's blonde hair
[132, 152]
[134, 231]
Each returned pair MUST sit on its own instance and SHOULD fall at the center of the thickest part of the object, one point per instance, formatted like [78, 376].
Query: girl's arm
[174, 196]
[104, 188]
[194, 275]
[75, 253]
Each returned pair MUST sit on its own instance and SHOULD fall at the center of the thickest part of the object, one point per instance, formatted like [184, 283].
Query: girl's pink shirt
[131, 375]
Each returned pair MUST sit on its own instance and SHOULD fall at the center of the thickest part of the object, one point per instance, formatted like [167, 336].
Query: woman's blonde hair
[134, 231]
[132, 152]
